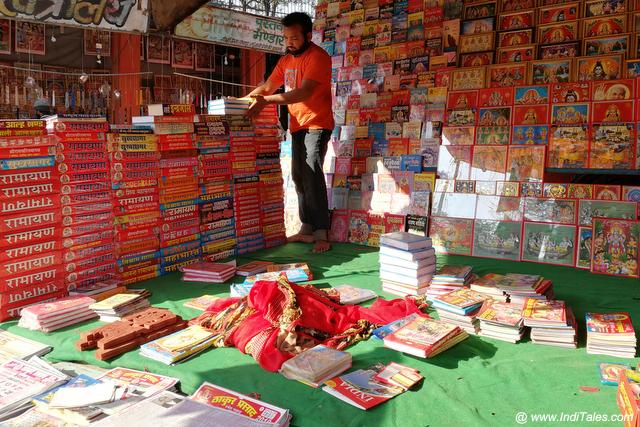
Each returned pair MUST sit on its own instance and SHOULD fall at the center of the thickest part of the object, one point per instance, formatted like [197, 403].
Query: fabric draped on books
[278, 320]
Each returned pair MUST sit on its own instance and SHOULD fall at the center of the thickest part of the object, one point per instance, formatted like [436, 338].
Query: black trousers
[309, 149]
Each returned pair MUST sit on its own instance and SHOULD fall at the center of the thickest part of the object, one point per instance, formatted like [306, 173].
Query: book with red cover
[422, 337]
[56, 308]
[360, 389]
[614, 324]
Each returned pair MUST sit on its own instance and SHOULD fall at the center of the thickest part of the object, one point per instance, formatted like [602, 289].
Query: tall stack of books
[316, 365]
[520, 287]
[116, 307]
[179, 191]
[448, 279]
[217, 222]
[226, 106]
[424, 337]
[501, 320]
[87, 206]
[48, 317]
[460, 308]
[551, 322]
[407, 263]
[247, 208]
[611, 334]
[178, 346]
[270, 175]
[488, 285]
[208, 272]
[30, 217]
[135, 175]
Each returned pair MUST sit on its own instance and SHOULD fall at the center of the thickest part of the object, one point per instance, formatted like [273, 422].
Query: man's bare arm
[300, 94]
[266, 88]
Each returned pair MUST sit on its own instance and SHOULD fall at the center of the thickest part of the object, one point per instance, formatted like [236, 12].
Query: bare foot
[303, 238]
[321, 246]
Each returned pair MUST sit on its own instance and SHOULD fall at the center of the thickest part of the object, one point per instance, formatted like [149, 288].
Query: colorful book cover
[609, 323]
[543, 310]
[201, 303]
[359, 389]
[503, 313]
[358, 227]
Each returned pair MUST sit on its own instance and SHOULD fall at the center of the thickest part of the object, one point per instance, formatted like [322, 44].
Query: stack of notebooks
[208, 272]
[316, 365]
[551, 322]
[50, 316]
[450, 278]
[179, 346]
[611, 334]
[501, 320]
[16, 347]
[407, 263]
[252, 268]
[460, 308]
[228, 106]
[118, 306]
[424, 337]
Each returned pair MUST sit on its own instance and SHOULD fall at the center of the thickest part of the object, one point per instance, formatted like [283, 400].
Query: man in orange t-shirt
[305, 72]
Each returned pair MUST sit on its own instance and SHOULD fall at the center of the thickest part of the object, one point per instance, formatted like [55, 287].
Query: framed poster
[604, 7]
[607, 45]
[487, 188]
[580, 191]
[589, 209]
[182, 54]
[94, 37]
[532, 95]
[468, 78]
[583, 259]
[526, 163]
[605, 25]
[489, 163]
[531, 189]
[515, 5]
[476, 43]
[205, 57]
[499, 208]
[506, 75]
[508, 189]
[30, 38]
[476, 59]
[516, 20]
[612, 146]
[614, 249]
[607, 67]
[159, 49]
[559, 13]
[530, 114]
[459, 135]
[568, 147]
[493, 135]
[570, 114]
[570, 92]
[478, 26]
[5, 37]
[515, 38]
[607, 192]
[507, 55]
[550, 210]
[495, 97]
[494, 116]
[559, 51]
[550, 71]
[558, 33]
[497, 239]
[480, 10]
[454, 162]
[451, 235]
[555, 191]
[617, 90]
[530, 135]
[549, 243]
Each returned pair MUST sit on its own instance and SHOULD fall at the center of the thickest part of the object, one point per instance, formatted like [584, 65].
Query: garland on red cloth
[278, 320]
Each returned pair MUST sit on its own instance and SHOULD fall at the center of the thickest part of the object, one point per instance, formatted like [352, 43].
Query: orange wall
[125, 56]
[253, 65]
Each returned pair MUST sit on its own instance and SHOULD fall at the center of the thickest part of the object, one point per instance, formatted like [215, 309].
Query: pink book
[208, 268]
[56, 308]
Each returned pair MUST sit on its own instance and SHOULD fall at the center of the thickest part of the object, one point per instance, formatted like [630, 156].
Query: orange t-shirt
[314, 64]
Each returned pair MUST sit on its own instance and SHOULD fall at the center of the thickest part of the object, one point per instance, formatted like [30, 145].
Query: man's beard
[298, 52]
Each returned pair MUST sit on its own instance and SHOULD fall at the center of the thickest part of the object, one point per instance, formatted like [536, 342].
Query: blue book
[411, 163]
[454, 309]
[385, 330]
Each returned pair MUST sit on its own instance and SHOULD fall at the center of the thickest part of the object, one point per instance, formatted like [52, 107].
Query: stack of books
[351, 295]
[48, 317]
[611, 334]
[423, 337]
[501, 320]
[201, 303]
[316, 365]
[407, 263]
[460, 308]
[448, 279]
[229, 106]
[520, 287]
[252, 268]
[551, 322]
[250, 411]
[178, 346]
[208, 272]
[295, 273]
[118, 306]
[361, 389]
[385, 330]
[16, 347]
[488, 285]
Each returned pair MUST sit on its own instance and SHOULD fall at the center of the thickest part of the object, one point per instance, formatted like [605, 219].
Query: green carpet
[478, 382]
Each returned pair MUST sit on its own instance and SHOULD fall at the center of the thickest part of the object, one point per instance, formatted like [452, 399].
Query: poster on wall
[205, 57]
[159, 49]
[30, 38]
[5, 37]
[182, 54]
[231, 28]
[93, 38]
[115, 16]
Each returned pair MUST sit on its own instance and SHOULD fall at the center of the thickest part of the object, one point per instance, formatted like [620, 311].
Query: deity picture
[615, 247]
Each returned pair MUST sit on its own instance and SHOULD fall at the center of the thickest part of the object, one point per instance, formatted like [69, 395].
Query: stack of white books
[228, 106]
[50, 316]
[407, 263]
[448, 279]
[551, 322]
[501, 320]
[118, 306]
[611, 334]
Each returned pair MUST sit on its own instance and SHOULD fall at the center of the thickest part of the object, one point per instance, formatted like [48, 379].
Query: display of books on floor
[50, 316]
[14, 346]
[460, 308]
[118, 306]
[407, 263]
[551, 322]
[361, 389]
[252, 412]
[448, 279]
[501, 320]
[208, 272]
[611, 334]
[352, 295]
[316, 365]
[520, 287]
[425, 337]
[178, 346]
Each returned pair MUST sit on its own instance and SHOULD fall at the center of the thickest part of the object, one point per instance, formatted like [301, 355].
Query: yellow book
[114, 302]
